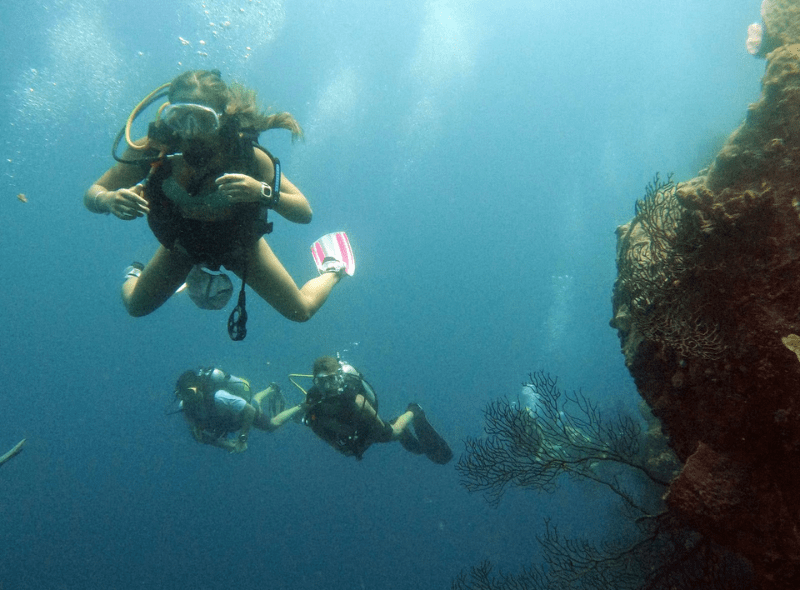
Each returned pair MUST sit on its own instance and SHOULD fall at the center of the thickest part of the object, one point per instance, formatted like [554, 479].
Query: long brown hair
[234, 99]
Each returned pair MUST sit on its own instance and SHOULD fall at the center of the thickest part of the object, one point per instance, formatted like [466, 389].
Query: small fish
[22, 197]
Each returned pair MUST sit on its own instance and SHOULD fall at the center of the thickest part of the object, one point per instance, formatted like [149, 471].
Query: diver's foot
[332, 253]
[276, 403]
[411, 443]
[415, 409]
[134, 270]
[408, 440]
[331, 264]
[431, 442]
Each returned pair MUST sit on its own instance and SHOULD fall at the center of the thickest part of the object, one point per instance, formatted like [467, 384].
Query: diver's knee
[135, 308]
[136, 311]
[301, 316]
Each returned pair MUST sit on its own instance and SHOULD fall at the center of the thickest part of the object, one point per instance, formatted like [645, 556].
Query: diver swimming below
[206, 186]
[221, 409]
[341, 408]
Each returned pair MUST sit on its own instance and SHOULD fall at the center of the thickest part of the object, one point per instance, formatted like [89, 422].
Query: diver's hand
[240, 188]
[126, 203]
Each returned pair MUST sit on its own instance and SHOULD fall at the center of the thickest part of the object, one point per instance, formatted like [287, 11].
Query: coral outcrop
[707, 307]
[780, 26]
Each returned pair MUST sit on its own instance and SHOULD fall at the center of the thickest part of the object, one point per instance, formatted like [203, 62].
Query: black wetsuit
[209, 242]
[337, 419]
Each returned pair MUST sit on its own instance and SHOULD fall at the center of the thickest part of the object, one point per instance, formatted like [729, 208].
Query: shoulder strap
[276, 181]
[358, 384]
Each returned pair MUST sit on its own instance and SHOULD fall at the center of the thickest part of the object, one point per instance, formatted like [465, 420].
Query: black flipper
[272, 402]
[434, 446]
[409, 441]
[277, 403]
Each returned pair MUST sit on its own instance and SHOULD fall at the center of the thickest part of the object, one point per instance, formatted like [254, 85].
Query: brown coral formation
[707, 306]
[781, 21]
[781, 26]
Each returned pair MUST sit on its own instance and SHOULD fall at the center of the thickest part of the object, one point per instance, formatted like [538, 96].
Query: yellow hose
[146, 102]
[297, 385]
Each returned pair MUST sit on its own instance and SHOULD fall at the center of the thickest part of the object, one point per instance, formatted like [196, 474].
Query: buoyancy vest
[205, 414]
[206, 242]
[336, 418]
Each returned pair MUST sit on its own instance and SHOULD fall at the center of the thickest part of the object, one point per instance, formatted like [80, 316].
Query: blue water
[479, 154]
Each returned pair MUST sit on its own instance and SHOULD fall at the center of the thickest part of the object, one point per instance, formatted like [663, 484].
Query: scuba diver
[206, 186]
[221, 409]
[342, 409]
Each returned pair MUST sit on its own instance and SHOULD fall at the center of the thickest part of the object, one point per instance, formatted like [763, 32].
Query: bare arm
[239, 445]
[205, 438]
[380, 430]
[118, 191]
[365, 408]
[241, 188]
[248, 415]
[293, 204]
[280, 419]
[222, 443]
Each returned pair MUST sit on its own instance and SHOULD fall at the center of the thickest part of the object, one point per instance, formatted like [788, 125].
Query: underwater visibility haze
[479, 155]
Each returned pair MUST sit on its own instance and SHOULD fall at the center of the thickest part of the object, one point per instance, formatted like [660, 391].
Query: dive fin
[276, 403]
[332, 248]
[433, 445]
[409, 441]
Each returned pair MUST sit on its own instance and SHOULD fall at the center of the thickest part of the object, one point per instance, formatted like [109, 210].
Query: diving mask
[190, 120]
[187, 395]
[329, 384]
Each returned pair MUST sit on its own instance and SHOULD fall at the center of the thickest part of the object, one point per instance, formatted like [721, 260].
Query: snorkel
[157, 94]
[175, 120]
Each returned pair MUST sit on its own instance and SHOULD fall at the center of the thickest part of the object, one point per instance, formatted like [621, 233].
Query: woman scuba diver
[205, 186]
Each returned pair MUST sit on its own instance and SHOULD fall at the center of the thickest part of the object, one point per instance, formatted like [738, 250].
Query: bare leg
[398, 426]
[160, 278]
[267, 276]
[401, 423]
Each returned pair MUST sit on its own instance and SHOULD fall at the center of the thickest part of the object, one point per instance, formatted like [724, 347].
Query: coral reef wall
[707, 307]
